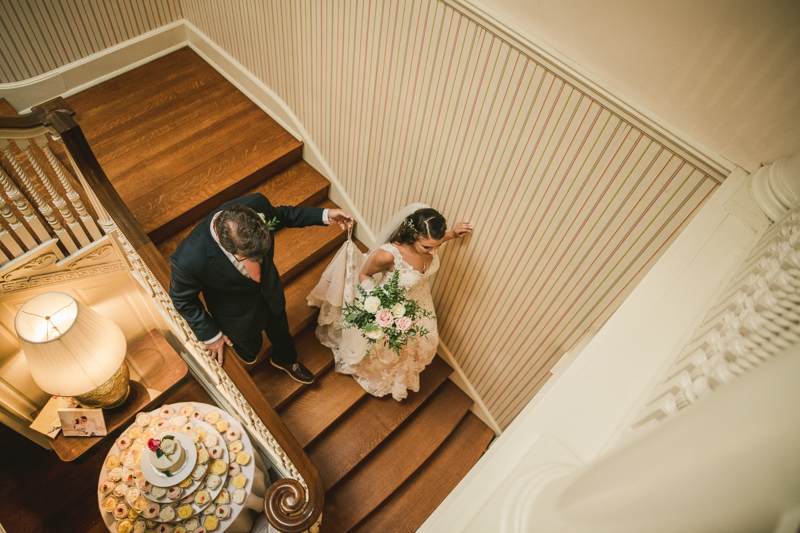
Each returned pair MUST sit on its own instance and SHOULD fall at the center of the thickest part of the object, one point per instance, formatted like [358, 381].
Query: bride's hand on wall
[462, 229]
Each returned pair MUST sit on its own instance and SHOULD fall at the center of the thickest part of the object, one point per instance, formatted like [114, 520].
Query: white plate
[159, 479]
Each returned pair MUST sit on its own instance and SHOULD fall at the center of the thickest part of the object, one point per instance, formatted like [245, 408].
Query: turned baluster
[19, 201]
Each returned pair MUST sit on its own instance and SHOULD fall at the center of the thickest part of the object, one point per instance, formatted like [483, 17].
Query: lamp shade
[70, 348]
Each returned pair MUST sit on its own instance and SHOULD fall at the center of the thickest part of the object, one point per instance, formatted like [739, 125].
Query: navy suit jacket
[235, 304]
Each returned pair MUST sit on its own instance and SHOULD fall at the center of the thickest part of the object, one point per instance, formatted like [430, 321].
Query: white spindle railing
[758, 314]
[33, 206]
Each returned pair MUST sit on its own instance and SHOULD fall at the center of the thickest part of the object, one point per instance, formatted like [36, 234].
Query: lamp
[73, 350]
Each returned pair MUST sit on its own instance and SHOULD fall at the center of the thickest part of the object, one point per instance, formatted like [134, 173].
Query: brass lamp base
[110, 394]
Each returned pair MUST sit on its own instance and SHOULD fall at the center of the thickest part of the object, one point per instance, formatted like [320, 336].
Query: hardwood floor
[176, 140]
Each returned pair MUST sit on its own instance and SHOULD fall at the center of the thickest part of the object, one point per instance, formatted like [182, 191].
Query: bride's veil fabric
[339, 286]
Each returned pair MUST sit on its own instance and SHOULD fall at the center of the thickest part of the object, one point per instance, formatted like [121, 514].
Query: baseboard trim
[96, 68]
[460, 378]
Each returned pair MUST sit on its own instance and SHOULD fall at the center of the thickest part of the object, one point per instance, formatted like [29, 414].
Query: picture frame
[82, 422]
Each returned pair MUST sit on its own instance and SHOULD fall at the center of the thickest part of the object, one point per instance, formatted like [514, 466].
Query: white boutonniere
[271, 224]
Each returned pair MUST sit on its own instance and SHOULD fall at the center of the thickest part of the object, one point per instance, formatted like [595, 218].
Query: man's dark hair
[242, 232]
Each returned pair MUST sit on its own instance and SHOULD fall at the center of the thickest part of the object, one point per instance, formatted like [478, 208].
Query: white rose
[375, 334]
[168, 446]
[398, 310]
[371, 304]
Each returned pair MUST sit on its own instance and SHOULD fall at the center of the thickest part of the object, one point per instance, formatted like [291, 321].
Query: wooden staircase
[176, 140]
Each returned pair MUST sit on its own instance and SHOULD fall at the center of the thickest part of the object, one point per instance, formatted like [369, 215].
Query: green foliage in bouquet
[385, 314]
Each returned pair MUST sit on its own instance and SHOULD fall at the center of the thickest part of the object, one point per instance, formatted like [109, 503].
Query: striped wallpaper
[414, 101]
[37, 36]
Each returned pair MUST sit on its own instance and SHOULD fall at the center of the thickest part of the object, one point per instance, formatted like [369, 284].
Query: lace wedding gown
[380, 370]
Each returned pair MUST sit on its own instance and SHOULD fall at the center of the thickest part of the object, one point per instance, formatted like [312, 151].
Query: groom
[228, 257]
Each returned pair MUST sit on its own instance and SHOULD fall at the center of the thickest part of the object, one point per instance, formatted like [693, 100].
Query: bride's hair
[425, 223]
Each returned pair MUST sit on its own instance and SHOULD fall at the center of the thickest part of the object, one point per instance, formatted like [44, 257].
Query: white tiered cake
[169, 457]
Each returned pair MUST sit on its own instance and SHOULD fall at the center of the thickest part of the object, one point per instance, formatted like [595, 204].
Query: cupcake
[196, 415]
[216, 451]
[193, 436]
[202, 497]
[178, 420]
[213, 481]
[123, 442]
[201, 432]
[119, 490]
[135, 432]
[154, 420]
[236, 446]
[130, 461]
[188, 428]
[212, 417]
[158, 492]
[167, 513]
[109, 504]
[199, 471]
[147, 435]
[185, 483]
[191, 524]
[218, 467]
[178, 529]
[239, 481]
[210, 509]
[112, 461]
[121, 510]
[223, 511]
[143, 485]
[189, 498]
[242, 458]
[106, 487]
[124, 526]
[143, 419]
[129, 478]
[131, 494]
[187, 410]
[200, 529]
[221, 425]
[140, 526]
[166, 412]
[234, 469]
[164, 528]
[174, 492]
[210, 440]
[185, 511]
[161, 426]
[223, 497]
[115, 474]
[238, 496]
[137, 447]
[132, 514]
[202, 456]
[233, 434]
[140, 504]
[211, 523]
[151, 510]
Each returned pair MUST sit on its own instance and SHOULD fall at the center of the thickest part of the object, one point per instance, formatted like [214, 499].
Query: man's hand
[341, 217]
[216, 348]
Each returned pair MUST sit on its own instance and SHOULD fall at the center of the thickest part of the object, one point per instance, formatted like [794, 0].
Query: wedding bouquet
[384, 313]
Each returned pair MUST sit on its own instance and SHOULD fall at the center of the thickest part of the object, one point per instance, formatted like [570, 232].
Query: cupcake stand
[218, 488]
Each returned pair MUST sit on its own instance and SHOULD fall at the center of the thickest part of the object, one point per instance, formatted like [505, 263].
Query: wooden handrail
[285, 504]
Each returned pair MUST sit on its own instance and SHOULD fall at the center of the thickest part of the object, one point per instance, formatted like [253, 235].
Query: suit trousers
[276, 326]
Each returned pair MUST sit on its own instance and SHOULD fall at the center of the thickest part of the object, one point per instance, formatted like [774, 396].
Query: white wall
[725, 72]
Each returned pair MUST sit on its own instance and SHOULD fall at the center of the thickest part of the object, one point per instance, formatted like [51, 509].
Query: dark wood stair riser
[368, 424]
[410, 505]
[388, 467]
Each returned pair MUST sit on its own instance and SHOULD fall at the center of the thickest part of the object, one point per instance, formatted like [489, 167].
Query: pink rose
[403, 323]
[153, 444]
[384, 319]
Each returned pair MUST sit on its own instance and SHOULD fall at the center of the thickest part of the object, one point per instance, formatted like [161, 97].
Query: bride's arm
[461, 229]
[380, 261]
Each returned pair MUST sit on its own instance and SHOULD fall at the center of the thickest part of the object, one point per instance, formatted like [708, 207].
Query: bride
[408, 244]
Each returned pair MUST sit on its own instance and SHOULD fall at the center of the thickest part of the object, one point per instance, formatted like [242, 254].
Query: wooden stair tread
[276, 386]
[384, 470]
[6, 109]
[368, 424]
[320, 404]
[297, 248]
[300, 184]
[410, 505]
[183, 147]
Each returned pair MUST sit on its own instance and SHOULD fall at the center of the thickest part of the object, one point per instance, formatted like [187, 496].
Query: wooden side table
[160, 369]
